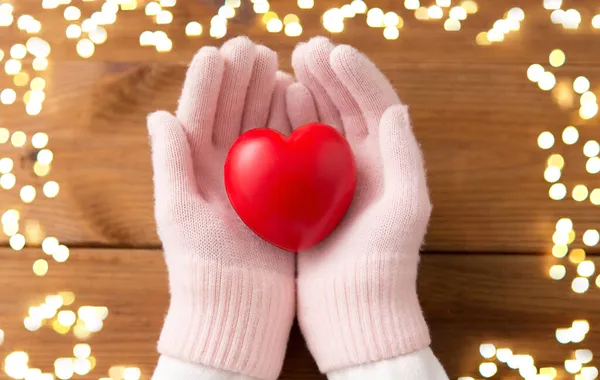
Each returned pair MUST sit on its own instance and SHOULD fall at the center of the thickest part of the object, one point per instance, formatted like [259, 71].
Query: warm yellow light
[470, 6]
[27, 193]
[592, 165]
[50, 4]
[152, 8]
[557, 191]
[308, 4]
[40, 267]
[452, 25]
[495, 35]
[89, 24]
[570, 135]
[502, 25]
[581, 84]
[8, 181]
[588, 111]
[552, 4]
[98, 35]
[164, 45]
[18, 51]
[557, 58]
[73, 31]
[571, 19]
[147, 38]
[18, 139]
[261, 7]
[588, 97]
[40, 64]
[132, 373]
[218, 30]
[81, 366]
[4, 135]
[51, 189]
[192, 29]
[72, 13]
[596, 21]
[547, 81]
[481, 39]
[586, 268]
[226, 11]
[391, 33]
[358, 6]
[129, 6]
[580, 193]
[557, 272]
[66, 318]
[17, 242]
[33, 108]
[435, 12]
[535, 72]
[591, 148]
[293, 29]
[458, 13]
[347, 11]
[21, 79]
[487, 350]
[488, 369]
[82, 351]
[85, 48]
[577, 255]
[516, 14]
[591, 238]
[12, 66]
[164, 17]
[274, 25]
[6, 165]
[545, 140]
[422, 13]
[579, 285]
[559, 250]
[38, 47]
[595, 197]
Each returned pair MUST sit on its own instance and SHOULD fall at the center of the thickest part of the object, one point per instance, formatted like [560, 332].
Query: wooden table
[484, 273]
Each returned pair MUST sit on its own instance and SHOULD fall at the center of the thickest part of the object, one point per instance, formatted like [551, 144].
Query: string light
[191, 29]
[308, 4]
[557, 191]
[85, 48]
[435, 12]
[164, 17]
[535, 72]
[8, 96]
[557, 272]
[275, 25]
[557, 58]
[545, 140]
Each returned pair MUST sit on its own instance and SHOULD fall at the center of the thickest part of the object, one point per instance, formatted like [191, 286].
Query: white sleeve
[173, 369]
[422, 365]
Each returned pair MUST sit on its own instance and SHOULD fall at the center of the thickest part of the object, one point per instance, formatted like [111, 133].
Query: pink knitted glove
[232, 294]
[357, 299]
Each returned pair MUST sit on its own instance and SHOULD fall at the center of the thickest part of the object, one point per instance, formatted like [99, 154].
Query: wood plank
[484, 167]
[420, 41]
[474, 111]
[468, 299]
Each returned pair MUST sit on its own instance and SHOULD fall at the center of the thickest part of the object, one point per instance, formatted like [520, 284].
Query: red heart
[291, 191]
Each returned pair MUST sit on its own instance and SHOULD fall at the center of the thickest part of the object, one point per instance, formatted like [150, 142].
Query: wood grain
[477, 124]
[468, 299]
[475, 114]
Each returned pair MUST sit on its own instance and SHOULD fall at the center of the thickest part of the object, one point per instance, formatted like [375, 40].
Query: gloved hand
[232, 294]
[357, 299]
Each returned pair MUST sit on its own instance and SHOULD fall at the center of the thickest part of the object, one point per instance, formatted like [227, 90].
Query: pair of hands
[238, 87]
